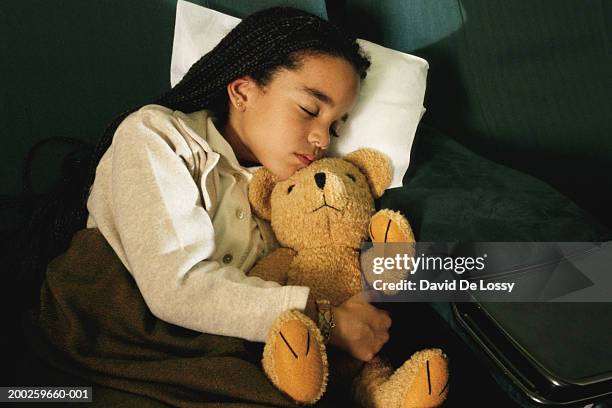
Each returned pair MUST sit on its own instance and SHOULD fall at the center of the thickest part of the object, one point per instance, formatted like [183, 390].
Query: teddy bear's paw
[390, 226]
[295, 359]
[421, 382]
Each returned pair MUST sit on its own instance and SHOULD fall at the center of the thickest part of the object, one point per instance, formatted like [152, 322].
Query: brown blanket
[94, 323]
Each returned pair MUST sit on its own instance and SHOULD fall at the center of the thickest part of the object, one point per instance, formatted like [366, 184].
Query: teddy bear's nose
[320, 180]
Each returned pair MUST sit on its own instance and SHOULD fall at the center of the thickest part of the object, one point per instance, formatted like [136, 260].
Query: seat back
[526, 83]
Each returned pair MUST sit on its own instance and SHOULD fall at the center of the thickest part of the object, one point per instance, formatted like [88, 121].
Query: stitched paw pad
[390, 226]
[428, 386]
[295, 359]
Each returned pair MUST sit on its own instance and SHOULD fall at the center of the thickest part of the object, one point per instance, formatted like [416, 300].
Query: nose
[320, 180]
[319, 139]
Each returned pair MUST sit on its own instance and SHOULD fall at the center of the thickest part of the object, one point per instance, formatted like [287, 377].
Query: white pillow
[390, 103]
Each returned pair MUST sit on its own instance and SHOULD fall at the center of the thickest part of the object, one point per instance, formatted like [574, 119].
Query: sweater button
[240, 213]
[227, 258]
[237, 176]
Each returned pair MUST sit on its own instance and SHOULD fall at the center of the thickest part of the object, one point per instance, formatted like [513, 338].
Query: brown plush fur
[321, 215]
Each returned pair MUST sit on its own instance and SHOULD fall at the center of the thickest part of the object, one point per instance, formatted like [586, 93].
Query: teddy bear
[321, 216]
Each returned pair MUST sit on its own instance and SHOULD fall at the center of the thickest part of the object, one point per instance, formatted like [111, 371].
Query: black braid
[261, 44]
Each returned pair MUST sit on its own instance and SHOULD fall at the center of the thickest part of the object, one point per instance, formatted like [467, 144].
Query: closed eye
[351, 177]
[309, 112]
[332, 131]
[290, 188]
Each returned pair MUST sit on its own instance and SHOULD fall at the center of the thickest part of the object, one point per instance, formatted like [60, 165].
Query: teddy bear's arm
[388, 226]
[275, 266]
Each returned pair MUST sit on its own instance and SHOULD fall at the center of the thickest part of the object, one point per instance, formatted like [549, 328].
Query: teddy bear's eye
[290, 188]
[351, 176]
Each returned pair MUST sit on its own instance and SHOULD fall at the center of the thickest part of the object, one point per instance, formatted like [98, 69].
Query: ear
[375, 166]
[260, 193]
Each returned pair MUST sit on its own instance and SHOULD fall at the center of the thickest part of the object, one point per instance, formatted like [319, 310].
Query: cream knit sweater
[171, 199]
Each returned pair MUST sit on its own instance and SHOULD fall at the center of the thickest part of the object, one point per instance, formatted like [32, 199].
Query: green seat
[453, 194]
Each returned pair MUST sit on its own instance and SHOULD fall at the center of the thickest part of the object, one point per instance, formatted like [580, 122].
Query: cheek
[279, 127]
[290, 132]
[301, 129]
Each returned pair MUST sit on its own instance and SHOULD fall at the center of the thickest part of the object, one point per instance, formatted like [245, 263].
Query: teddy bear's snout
[332, 187]
[320, 180]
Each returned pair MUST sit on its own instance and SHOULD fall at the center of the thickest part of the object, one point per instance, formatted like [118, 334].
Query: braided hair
[259, 46]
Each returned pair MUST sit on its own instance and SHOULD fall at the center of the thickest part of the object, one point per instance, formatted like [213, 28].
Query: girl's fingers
[384, 338]
[368, 295]
[383, 322]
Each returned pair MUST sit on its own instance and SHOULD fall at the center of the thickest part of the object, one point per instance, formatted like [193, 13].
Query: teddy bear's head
[325, 204]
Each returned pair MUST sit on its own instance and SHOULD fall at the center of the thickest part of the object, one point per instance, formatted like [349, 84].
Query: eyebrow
[323, 97]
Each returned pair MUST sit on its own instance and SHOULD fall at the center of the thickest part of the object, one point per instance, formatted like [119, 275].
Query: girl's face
[291, 121]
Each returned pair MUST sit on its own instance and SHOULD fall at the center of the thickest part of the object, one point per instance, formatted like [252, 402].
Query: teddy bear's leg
[421, 382]
[390, 226]
[295, 359]
[274, 266]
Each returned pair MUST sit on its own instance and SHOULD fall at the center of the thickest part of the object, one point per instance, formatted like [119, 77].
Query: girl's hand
[361, 329]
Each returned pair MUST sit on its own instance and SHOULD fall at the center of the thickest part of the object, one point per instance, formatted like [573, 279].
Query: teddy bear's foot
[295, 359]
[426, 376]
[421, 382]
[390, 226]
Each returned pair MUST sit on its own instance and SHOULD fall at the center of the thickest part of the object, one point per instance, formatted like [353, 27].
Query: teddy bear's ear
[260, 193]
[375, 166]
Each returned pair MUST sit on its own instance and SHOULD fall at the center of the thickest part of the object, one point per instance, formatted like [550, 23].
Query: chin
[284, 171]
[281, 173]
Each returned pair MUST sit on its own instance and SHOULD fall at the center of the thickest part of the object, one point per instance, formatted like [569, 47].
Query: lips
[305, 158]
